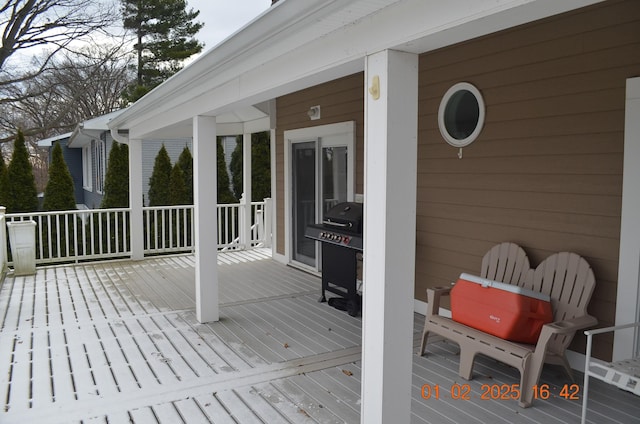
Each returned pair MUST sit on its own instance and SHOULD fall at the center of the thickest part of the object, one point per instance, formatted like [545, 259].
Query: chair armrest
[571, 325]
[563, 327]
[433, 298]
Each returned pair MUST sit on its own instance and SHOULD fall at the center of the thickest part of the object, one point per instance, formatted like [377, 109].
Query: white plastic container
[22, 237]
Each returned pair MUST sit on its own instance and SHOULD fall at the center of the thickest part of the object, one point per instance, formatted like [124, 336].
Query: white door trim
[325, 134]
[628, 298]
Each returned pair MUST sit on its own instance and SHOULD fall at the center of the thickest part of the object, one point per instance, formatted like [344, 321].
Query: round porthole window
[461, 114]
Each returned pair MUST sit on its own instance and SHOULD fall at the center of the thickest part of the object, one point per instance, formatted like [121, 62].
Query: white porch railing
[3, 242]
[80, 235]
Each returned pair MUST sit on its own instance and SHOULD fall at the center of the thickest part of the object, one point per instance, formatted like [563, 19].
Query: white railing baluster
[92, 234]
[74, 223]
[147, 213]
[167, 229]
[170, 212]
[3, 241]
[41, 244]
[84, 235]
[49, 236]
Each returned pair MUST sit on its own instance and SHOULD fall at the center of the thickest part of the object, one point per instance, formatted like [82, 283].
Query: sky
[222, 18]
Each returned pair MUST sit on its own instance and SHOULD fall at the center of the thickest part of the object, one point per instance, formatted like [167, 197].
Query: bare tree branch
[54, 34]
[77, 87]
[31, 23]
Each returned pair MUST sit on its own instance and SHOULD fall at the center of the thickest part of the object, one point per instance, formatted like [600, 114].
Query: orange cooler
[504, 310]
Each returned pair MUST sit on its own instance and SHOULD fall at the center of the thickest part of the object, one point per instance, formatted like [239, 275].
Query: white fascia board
[292, 57]
[101, 122]
[91, 129]
[47, 142]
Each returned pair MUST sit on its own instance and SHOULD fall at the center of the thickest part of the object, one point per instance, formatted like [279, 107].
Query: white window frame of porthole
[444, 103]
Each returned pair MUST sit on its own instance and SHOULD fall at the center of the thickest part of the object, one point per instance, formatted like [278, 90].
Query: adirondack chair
[505, 262]
[568, 280]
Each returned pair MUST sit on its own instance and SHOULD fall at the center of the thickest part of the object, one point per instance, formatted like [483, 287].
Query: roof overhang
[91, 129]
[47, 142]
[298, 44]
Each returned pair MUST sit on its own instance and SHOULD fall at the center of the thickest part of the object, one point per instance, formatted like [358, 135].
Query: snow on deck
[118, 342]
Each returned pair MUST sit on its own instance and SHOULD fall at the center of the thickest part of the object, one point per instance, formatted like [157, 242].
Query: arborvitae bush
[23, 195]
[116, 195]
[186, 164]
[160, 178]
[224, 193]
[236, 169]
[116, 185]
[4, 182]
[260, 167]
[177, 188]
[59, 195]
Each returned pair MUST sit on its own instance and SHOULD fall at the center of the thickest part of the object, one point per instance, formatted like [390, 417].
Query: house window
[461, 114]
[87, 168]
[99, 156]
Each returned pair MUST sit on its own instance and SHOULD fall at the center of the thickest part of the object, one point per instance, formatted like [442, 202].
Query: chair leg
[567, 368]
[466, 363]
[530, 374]
[423, 345]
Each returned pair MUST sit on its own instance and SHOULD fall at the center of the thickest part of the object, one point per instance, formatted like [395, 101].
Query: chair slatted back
[506, 262]
[568, 279]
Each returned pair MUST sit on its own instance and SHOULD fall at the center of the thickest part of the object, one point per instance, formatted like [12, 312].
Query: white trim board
[321, 133]
[628, 301]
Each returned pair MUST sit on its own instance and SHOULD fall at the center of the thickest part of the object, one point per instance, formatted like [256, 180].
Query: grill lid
[346, 216]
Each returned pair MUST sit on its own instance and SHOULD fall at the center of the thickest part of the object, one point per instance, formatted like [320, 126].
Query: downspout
[121, 136]
[81, 131]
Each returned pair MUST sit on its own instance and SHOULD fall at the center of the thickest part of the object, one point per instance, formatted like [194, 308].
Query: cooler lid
[504, 286]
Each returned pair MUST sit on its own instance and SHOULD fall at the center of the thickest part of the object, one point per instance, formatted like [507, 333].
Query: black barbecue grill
[341, 237]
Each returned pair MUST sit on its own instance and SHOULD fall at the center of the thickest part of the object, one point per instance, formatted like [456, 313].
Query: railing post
[244, 236]
[3, 241]
[267, 214]
[246, 188]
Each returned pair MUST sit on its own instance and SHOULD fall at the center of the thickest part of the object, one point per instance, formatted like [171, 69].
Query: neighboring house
[86, 152]
[400, 89]
[73, 159]
[93, 139]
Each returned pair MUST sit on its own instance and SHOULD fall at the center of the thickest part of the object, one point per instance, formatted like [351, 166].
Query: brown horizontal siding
[341, 100]
[546, 172]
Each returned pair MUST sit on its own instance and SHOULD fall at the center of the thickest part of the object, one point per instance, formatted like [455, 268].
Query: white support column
[628, 301]
[391, 110]
[246, 188]
[205, 218]
[273, 240]
[135, 199]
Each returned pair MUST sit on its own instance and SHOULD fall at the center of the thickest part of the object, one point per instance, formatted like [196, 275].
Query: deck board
[110, 342]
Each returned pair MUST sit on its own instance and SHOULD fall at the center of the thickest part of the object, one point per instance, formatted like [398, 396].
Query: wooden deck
[118, 342]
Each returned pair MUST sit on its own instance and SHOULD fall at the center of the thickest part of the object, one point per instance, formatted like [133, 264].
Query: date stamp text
[497, 391]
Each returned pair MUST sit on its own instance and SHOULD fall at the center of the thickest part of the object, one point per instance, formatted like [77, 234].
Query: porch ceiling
[238, 121]
[297, 44]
